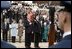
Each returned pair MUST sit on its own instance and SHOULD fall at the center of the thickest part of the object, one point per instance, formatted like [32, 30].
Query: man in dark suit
[34, 29]
[31, 26]
[64, 18]
[28, 31]
[5, 28]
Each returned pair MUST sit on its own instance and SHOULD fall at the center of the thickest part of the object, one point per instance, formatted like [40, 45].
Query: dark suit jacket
[6, 45]
[3, 26]
[28, 27]
[65, 43]
[35, 27]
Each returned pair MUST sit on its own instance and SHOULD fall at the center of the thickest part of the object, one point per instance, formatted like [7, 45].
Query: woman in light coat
[13, 30]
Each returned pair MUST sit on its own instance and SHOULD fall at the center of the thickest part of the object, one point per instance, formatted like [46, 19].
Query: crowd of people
[35, 23]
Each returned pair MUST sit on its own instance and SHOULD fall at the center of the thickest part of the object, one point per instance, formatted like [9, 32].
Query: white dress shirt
[66, 33]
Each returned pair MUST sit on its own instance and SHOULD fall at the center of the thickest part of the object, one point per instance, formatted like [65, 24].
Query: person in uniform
[64, 19]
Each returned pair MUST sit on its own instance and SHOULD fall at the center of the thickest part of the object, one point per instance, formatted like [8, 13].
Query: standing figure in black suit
[64, 19]
[5, 28]
[31, 26]
[28, 29]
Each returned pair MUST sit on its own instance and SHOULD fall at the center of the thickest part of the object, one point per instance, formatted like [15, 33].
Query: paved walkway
[22, 45]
